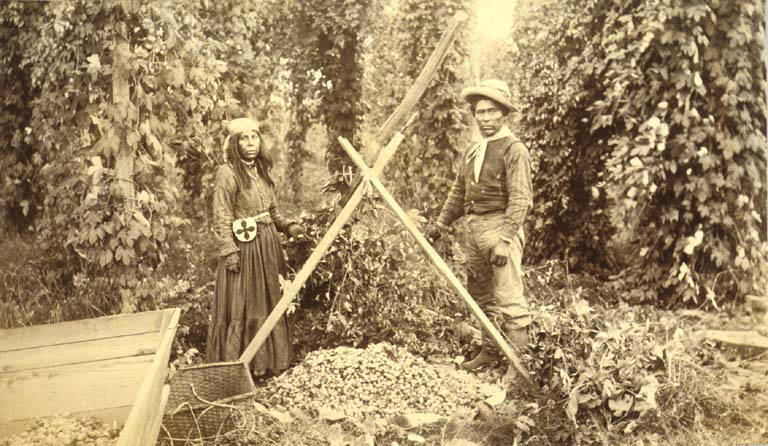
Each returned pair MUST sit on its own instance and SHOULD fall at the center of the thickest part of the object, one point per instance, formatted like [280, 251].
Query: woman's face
[249, 145]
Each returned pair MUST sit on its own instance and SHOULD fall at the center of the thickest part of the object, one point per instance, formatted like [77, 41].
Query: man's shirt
[504, 185]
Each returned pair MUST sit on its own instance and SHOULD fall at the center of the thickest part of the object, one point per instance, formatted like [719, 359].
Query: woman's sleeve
[224, 210]
[280, 221]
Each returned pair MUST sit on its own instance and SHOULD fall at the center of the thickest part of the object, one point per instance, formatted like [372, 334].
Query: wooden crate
[113, 368]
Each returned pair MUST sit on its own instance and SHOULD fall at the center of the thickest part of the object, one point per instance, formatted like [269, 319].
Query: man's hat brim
[486, 92]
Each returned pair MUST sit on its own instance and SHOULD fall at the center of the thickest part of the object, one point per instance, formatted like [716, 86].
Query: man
[493, 189]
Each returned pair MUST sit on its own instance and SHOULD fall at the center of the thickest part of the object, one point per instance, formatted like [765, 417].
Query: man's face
[250, 144]
[489, 117]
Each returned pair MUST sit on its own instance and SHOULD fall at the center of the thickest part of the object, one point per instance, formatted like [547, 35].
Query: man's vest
[489, 193]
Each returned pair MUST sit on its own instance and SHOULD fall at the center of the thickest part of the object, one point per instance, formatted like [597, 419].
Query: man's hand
[294, 230]
[500, 253]
[434, 231]
[232, 262]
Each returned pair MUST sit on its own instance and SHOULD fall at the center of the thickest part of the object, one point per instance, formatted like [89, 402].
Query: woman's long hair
[263, 161]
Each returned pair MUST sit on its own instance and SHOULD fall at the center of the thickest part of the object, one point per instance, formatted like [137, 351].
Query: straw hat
[491, 89]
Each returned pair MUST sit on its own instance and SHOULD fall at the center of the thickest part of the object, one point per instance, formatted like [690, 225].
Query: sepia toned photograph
[383, 223]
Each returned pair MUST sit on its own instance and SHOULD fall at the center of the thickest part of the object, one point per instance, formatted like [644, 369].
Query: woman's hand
[294, 230]
[232, 262]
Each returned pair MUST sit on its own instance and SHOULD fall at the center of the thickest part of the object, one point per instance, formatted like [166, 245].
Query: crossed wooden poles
[369, 177]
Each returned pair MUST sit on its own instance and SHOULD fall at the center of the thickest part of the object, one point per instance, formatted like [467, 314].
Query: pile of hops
[381, 380]
[62, 430]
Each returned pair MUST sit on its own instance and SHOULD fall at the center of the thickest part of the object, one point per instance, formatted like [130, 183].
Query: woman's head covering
[240, 125]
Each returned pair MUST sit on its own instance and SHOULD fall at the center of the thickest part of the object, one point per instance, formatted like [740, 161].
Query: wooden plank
[306, 270]
[751, 338]
[72, 388]
[395, 121]
[437, 260]
[79, 352]
[106, 416]
[758, 367]
[82, 330]
[759, 303]
[155, 424]
[146, 416]
[748, 380]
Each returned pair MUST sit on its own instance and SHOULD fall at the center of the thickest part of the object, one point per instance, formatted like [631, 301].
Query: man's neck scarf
[478, 149]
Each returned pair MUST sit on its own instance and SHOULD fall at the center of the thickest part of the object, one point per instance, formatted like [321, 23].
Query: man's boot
[484, 358]
[515, 383]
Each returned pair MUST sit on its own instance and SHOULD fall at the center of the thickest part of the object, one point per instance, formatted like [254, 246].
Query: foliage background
[649, 122]
[646, 121]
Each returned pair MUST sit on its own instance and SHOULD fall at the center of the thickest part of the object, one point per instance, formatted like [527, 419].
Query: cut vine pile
[381, 380]
[64, 430]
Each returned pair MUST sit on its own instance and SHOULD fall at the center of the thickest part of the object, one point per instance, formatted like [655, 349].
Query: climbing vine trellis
[649, 119]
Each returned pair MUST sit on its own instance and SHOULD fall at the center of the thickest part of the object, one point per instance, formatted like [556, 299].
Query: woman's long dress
[243, 300]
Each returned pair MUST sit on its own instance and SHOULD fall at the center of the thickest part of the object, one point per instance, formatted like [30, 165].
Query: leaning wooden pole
[474, 60]
[370, 175]
[297, 283]
[403, 111]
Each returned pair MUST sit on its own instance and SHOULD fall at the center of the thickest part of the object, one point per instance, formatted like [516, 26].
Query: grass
[25, 297]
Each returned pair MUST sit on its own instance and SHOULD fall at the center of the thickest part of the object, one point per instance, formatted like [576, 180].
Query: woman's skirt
[243, 300]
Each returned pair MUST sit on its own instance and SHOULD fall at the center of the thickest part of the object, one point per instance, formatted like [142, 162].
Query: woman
[251, 261]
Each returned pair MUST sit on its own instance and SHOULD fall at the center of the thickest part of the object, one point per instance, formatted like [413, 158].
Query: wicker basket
[204, 401]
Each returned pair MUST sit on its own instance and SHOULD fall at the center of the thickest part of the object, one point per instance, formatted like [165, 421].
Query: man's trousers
[498, 290]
